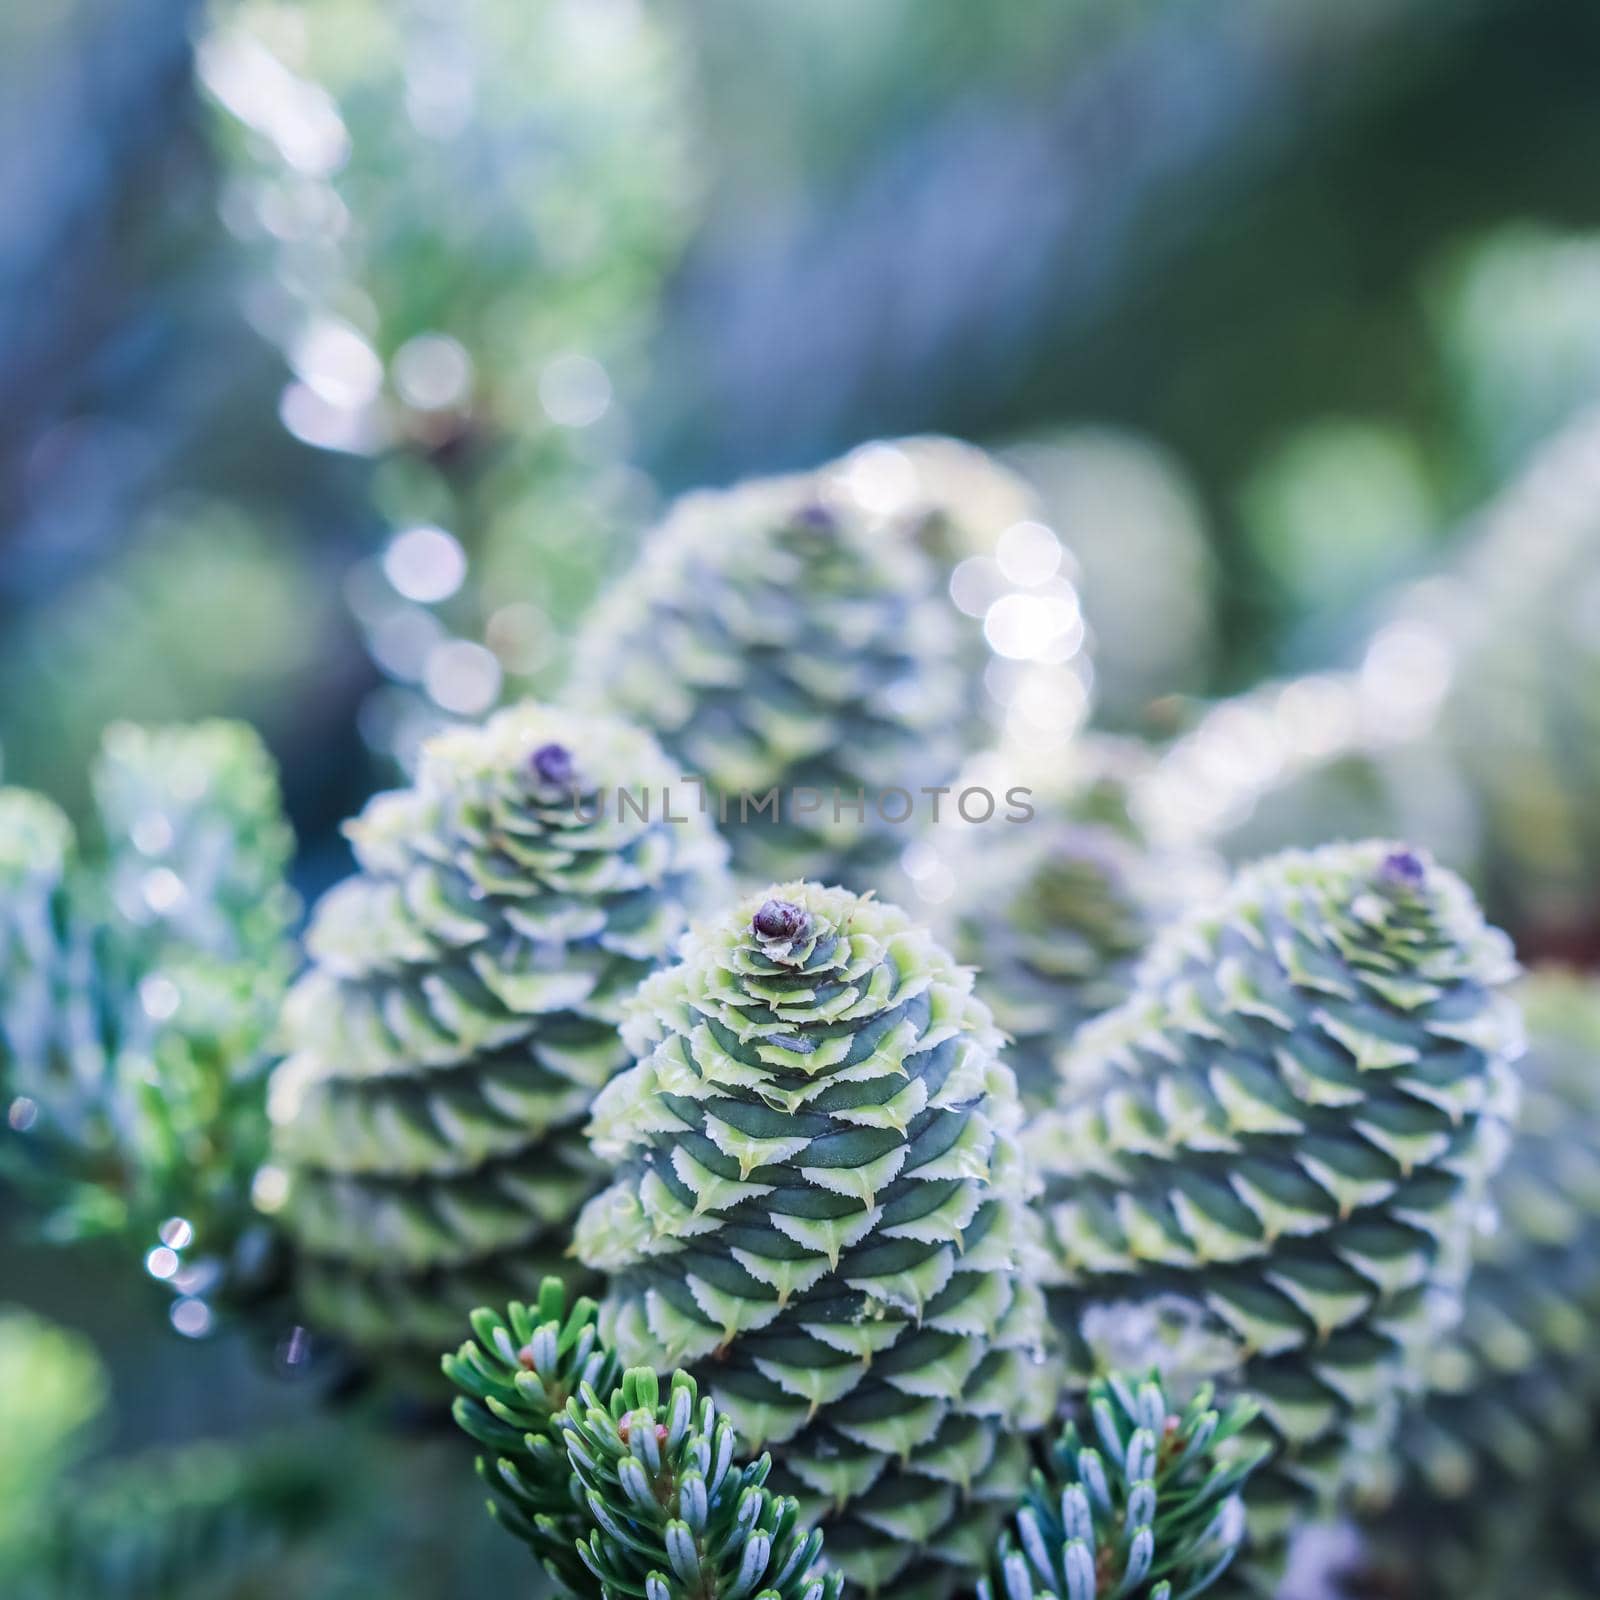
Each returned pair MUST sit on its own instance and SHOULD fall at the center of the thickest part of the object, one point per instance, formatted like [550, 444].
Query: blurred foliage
[1135, 529]
[937, 168]
[205, 1522]
[52, 1390]
[809, 109]
[468, 173]
[1469, 721]
[464, 213]
[1338, 509]
[139, 1004]
[313, 1509]
[199, 613]
[1517, 314]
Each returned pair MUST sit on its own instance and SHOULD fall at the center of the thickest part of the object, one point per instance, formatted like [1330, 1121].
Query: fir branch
[634, 1495]
[1150, 1509]
[196, 842]
[52, 1046]
[515, 1382]
[675, 1518]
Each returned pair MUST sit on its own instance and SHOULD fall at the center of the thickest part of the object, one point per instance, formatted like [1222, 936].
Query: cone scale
[819, 1210]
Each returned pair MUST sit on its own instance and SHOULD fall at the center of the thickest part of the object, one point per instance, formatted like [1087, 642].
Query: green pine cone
[1297, 761]
[1054, 913]
[1277, 1149]
[780, 637]
[964, 498]
[1506, 1438]
[515, 1384]
[1054, 922]
[1150, 1512]
[1473, 719]
[1520, 717]
[462, 1010]
[820, 1208]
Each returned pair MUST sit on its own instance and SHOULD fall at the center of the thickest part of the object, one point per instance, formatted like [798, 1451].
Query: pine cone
[963, 497]
[1054, 913]
[985, 526]
[779, 636]
[1501, 1454]
[820, 1209]
[1055, 926]
[1278, 1148]
[461, 1012]
[1515, 620]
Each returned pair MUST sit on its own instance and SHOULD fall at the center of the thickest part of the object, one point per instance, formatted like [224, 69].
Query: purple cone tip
[553, 764]
[817, 517]
[1404, 866]
[780, 919]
